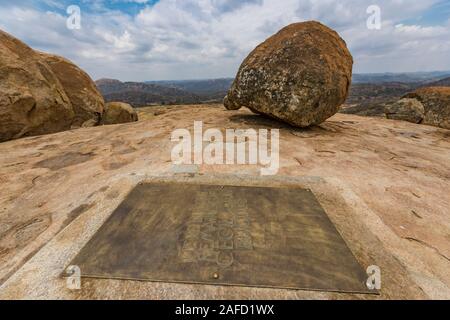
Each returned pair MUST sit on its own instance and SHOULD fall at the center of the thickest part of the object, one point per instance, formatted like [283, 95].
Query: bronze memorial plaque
[223, 235]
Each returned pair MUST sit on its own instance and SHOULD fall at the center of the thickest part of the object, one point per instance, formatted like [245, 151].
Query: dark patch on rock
[48, 147]
[113, 194]
[3, 252]
[101, 190]
[65, 160]
[75, 213]
[80, 209]
[24, 232]
[115, 165]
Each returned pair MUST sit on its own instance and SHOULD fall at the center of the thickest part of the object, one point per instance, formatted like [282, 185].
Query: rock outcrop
[32, 100]
[301, 75]
[371, 175]
[118, 112]
[87, 101]
[406, 109]
[430, 106]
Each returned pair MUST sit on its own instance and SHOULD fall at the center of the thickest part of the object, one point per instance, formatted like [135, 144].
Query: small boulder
[301, 75]
[119, 112]
[32, 100]
[88, 103]
[429, 105]
[436, 103]
[405, 109]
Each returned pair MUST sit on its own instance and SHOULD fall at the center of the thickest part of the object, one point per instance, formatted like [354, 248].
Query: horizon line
[443, 72]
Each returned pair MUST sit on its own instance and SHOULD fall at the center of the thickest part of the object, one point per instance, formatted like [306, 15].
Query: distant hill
[368, 99]
[441, 83]
[199, 86]
[140, 94]
[367, 94]
[410, 77]
[210, 90]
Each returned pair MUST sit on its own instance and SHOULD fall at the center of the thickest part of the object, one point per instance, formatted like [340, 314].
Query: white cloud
[176, 39]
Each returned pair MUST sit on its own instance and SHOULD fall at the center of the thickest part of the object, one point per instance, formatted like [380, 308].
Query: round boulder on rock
[405, 109]
[301, 75]
[87, 101]
[119, 112]
[32, 100]
[436, 103]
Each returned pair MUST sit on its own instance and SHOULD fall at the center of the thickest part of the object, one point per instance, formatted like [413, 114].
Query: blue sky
[190, 39]
[98, 7]
[436, 14]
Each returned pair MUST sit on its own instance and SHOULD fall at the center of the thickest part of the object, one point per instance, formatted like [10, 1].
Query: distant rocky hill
[441, 83]
[368, 99]
[207, 89]
[408, 77]
[140, 94]
[368, 93]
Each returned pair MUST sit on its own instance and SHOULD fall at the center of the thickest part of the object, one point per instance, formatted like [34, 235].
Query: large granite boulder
[87, 101]
[301, 75]
[119, 112]
[406, 109]
[32, 100]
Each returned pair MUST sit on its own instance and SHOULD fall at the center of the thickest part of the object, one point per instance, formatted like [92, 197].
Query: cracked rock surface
[385, 187]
